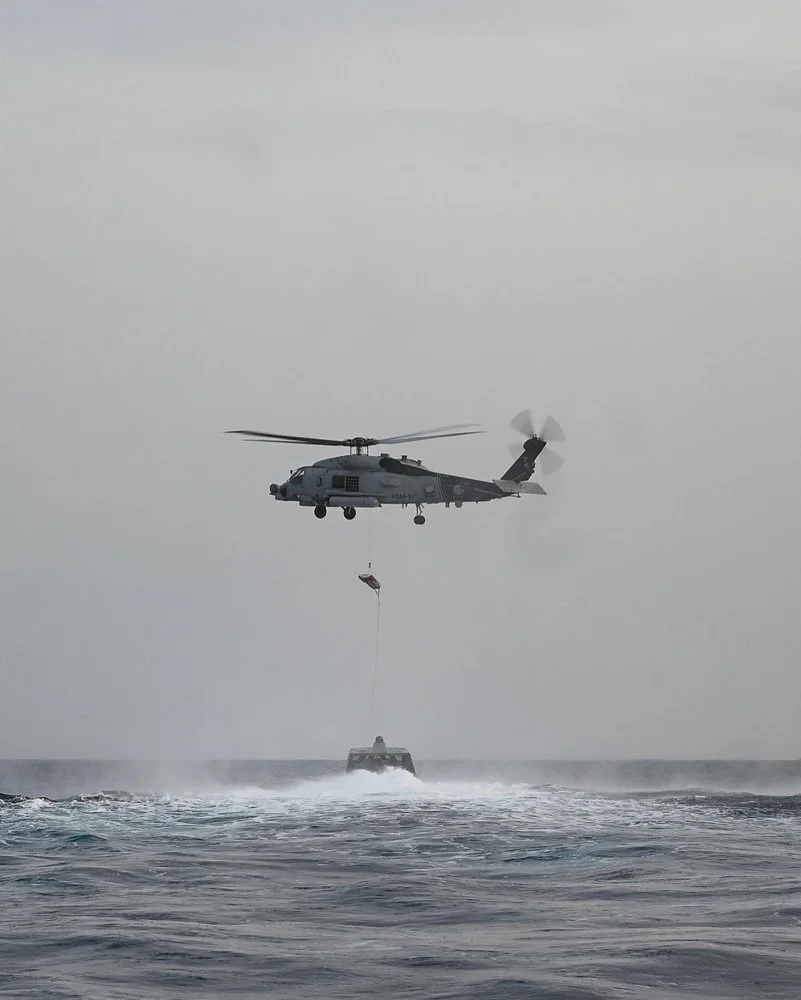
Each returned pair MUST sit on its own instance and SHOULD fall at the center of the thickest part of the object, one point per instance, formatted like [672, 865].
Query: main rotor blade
[435, 432]
[291, 438]
[429, 437]
[429, 434]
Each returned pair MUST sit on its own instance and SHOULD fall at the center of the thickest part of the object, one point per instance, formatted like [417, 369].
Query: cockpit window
[297, 476]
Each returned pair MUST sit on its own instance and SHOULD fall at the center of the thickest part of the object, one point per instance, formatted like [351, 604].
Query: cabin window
[351, 484]
[337, 482]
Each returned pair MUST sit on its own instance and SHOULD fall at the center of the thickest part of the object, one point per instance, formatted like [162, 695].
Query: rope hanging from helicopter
[375, 662]
[373, 583]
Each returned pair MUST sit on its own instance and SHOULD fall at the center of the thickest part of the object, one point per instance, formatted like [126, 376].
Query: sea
[489, 880]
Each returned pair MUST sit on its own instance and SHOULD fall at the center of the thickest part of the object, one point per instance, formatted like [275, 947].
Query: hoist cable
[375, 664]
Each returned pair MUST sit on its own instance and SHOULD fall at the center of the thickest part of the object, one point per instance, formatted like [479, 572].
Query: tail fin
[523, 467]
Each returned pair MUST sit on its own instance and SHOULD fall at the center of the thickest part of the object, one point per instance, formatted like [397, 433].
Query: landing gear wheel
[349, 512]
[320, 510]
[419, 519]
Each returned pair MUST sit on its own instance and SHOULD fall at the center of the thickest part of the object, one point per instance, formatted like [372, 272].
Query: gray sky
[363, 218]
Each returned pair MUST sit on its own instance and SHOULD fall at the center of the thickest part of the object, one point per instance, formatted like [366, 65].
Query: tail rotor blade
[551, 431]
[549, 461]
[524, 423]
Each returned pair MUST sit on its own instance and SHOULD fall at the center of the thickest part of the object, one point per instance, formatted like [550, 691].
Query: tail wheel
[419, 519]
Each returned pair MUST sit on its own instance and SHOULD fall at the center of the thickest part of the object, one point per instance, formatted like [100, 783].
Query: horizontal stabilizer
[511, 486]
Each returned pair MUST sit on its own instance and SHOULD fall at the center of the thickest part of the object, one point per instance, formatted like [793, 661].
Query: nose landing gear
[320, 510]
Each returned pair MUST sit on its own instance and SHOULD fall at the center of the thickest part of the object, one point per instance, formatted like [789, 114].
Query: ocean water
[494, 881]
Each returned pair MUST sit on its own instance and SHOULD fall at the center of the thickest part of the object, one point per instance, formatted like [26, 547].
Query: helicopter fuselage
[351, 481]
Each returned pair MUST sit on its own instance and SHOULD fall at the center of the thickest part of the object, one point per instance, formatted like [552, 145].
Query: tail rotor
[536, 450]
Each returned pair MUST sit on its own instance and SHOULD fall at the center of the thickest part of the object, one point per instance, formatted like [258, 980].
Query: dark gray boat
[379, 757]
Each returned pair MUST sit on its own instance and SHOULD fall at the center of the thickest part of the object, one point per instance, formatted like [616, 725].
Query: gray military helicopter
[359, 479]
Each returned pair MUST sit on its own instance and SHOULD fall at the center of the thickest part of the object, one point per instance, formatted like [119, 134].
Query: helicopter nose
[282, 491]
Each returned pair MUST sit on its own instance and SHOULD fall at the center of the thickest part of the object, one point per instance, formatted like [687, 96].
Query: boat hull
[379, 757]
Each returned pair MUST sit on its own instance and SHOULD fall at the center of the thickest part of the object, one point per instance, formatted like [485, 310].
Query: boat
[379, 757]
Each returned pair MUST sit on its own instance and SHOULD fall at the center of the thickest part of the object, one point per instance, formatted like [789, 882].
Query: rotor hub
[360, 444]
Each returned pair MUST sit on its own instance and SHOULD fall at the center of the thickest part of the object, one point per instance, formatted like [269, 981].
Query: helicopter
[360, 479]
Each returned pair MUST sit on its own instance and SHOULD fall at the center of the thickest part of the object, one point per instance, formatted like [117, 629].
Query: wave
[399, 787]
[16, 798]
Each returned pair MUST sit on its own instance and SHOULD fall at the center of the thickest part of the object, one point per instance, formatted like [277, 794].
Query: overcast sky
[369, 218]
